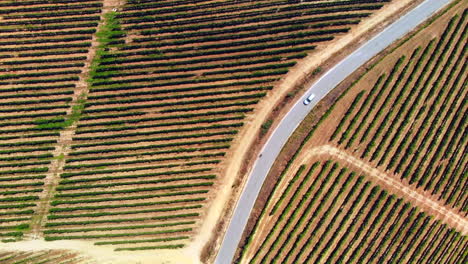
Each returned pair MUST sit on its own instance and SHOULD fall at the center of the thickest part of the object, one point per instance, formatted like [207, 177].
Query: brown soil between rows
[281, 106]
[321, 138]
[428, 205]
[67, 138]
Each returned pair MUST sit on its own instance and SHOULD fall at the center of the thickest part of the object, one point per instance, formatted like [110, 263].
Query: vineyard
[43, 257]
[117, 118]
[331, 214]
[381, 177]
[41, 69]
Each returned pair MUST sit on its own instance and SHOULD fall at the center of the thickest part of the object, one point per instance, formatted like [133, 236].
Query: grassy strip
[141, 241]
[155, 146]
[151, 247]
[104, 164]
[167, 138]
[20, 199]
[122, 205]
[137, 183]
[141, 154]
[123, 220]
[53, 238]
[132, 169]
[20, 191]
[107, 178]
[136, 190]
[127, 198]
[121, 125]
[32, 177]
[62, 231]
[170, 209]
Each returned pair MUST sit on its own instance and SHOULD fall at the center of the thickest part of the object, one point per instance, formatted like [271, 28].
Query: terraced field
[381, 177]
[117, 117]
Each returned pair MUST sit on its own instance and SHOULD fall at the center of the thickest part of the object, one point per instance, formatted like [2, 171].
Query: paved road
[299, 111]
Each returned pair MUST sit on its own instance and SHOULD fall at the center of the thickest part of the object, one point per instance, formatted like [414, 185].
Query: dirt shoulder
[276, 105]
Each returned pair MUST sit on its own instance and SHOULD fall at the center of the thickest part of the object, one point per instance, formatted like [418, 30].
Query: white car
[309, 99]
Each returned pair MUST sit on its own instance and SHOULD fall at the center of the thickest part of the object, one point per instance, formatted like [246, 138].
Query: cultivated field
[43, 50]
[331, 214]
[43, 257]
[381, 178]
[118, 118]
[166, 104]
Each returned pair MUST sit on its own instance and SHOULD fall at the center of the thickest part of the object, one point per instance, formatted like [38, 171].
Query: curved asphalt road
[299, 111]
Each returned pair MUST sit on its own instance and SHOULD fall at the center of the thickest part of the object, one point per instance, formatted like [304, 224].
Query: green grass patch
[265, 127]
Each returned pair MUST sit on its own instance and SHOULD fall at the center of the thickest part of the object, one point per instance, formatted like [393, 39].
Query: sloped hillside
[381, 177]
[118, 118]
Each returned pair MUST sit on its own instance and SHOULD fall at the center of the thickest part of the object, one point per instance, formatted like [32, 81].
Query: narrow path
[64, 141]
[417, 197]
[298, 112]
